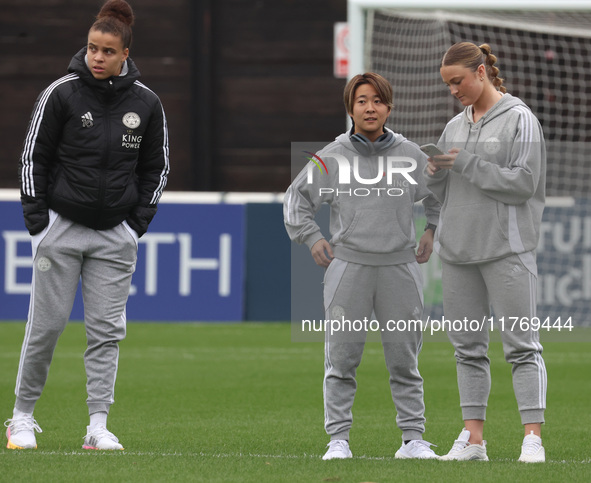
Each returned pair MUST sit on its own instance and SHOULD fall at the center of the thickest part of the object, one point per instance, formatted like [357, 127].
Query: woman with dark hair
[93, 168]
[371, 260]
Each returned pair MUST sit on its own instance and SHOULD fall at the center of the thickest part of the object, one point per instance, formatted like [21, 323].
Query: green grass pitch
[243, 403]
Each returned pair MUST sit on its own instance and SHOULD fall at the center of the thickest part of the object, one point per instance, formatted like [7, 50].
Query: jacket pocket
[131, 232]
[470, 233]
[39, 237]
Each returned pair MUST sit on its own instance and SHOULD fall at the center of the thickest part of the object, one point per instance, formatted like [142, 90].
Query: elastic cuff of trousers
[24, 405]
[411, 435]
[98, 408]
[342, 435]
[532, 416]
[474, 412]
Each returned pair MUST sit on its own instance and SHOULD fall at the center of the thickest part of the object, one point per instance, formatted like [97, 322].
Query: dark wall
[269, 75]
[274, 86]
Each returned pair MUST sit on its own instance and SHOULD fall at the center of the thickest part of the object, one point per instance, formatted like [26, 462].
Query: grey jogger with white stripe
[393, 292]
[510, 288]
[104, 261]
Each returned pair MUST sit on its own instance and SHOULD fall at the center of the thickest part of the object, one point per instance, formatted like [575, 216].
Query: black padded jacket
[96, 151]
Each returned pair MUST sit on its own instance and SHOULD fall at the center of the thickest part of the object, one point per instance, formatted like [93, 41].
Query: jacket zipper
[107, 152]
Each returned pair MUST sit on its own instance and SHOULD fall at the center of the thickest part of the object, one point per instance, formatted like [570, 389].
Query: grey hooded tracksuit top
[376, 229]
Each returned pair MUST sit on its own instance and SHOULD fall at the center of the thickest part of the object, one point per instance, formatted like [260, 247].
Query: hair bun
[119, 9]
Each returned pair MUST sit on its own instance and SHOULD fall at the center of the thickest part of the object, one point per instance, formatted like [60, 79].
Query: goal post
[543, 50]
[357, 11]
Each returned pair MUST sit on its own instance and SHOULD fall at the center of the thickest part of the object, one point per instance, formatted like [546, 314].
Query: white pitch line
[242, 455]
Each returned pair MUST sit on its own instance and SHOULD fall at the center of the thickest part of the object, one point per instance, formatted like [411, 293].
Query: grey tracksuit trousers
[392, 292]
[510, 288]
[65, 253]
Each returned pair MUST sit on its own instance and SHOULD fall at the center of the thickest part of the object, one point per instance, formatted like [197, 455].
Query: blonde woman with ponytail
[491, 182]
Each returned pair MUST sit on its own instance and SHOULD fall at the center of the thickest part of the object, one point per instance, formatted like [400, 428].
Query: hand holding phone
[436, 164]
[431, 150]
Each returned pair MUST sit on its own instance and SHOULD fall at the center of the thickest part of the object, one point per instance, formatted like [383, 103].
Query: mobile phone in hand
[431, 150]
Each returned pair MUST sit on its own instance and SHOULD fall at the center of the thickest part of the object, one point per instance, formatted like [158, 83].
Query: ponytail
[491, 70]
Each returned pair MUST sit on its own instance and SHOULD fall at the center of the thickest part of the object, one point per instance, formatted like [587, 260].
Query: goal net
[544, 58]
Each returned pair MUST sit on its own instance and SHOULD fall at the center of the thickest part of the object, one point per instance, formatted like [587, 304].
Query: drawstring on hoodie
[491, 114]
[472, 127]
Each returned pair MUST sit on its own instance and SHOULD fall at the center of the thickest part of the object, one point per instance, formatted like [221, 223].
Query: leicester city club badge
[131, 120]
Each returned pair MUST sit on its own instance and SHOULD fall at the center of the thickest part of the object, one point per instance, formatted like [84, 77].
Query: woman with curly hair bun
[93, 168]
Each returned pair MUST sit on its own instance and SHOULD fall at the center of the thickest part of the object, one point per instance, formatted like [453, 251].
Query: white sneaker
[463, 451]
[416, 448]
[20, 432]
[338, 449]
[532, 450]
[99, 438]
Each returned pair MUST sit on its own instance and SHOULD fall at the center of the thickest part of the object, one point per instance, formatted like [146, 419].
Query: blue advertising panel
[267, 285]
[564, 263]
[190, 265]
[15, 262]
